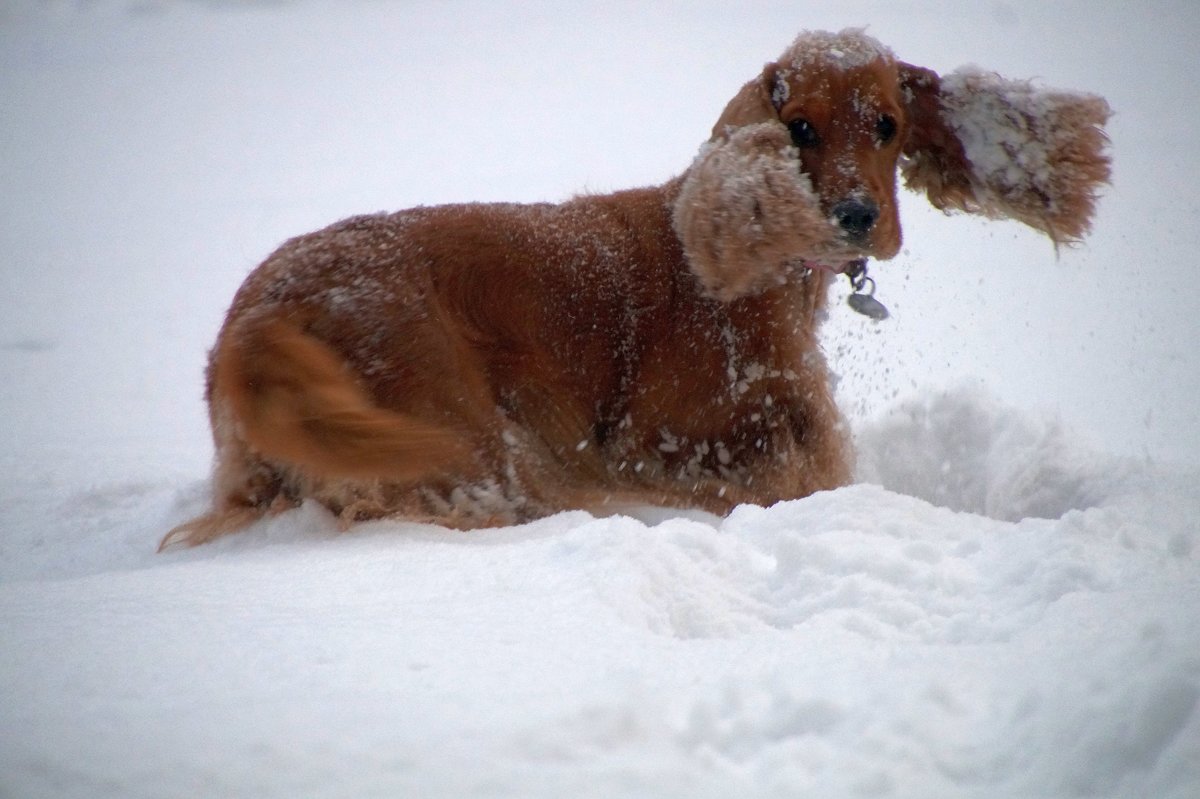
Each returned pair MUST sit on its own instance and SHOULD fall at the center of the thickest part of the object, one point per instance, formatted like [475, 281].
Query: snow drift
[857, 642]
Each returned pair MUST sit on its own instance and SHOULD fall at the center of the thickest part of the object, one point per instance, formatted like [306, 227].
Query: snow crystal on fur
[847, 49]
[1034, 155]
[745, 211]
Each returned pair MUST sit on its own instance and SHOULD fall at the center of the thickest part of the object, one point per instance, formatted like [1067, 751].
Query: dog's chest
[732, 379]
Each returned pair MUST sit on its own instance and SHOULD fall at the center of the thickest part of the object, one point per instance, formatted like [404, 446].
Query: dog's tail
[295, 401]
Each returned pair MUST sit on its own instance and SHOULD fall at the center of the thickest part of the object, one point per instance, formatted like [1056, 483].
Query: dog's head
[842, 115]
[841, 101]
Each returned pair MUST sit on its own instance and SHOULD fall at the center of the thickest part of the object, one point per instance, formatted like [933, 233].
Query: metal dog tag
[864, 303]
[867, 305]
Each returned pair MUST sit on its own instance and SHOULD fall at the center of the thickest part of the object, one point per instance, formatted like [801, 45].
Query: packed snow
[1006, 603]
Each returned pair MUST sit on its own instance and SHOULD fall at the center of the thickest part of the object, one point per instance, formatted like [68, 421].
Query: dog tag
[867, 305]
[864, 302]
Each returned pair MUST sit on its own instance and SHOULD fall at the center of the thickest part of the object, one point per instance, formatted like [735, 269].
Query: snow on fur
[813, 50]
[846, 49]
[1034, 155]
[746, 214]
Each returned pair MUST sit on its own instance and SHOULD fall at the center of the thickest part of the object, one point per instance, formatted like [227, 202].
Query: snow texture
[1002, 606]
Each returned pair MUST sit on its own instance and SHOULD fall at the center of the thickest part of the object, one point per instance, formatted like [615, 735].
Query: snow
[993, 149]
[1004, 606]
[845, 49]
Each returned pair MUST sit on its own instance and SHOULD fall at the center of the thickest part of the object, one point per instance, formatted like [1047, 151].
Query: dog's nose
[856, 217]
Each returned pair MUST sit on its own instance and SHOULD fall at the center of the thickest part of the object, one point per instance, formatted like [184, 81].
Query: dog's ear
[983, 144]
[757, 102]
[745, 213]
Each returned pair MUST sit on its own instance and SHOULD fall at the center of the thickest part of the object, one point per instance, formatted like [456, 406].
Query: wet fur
[478, 365]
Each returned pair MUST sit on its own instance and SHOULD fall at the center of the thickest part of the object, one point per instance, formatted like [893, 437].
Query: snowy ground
[1008, 605]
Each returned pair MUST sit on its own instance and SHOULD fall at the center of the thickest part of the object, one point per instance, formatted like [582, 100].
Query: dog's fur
[478, 365]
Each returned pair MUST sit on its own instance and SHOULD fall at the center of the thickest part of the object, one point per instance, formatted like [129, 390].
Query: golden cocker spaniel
[476, 365]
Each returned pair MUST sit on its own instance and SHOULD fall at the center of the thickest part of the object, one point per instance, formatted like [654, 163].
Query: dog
[487, 364]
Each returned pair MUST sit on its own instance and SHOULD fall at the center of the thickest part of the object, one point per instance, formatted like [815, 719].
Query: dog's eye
[885, 129]
[803, 133]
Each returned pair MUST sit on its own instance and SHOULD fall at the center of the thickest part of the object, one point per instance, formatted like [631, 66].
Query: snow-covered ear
[758, 101]
[1005, 149]
[745, 212]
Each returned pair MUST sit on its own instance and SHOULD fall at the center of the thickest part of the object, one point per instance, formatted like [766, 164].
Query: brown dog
[479, 365]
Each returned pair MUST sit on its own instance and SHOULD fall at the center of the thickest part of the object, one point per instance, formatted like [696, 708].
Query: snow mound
[855, 642]
[963, 450]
